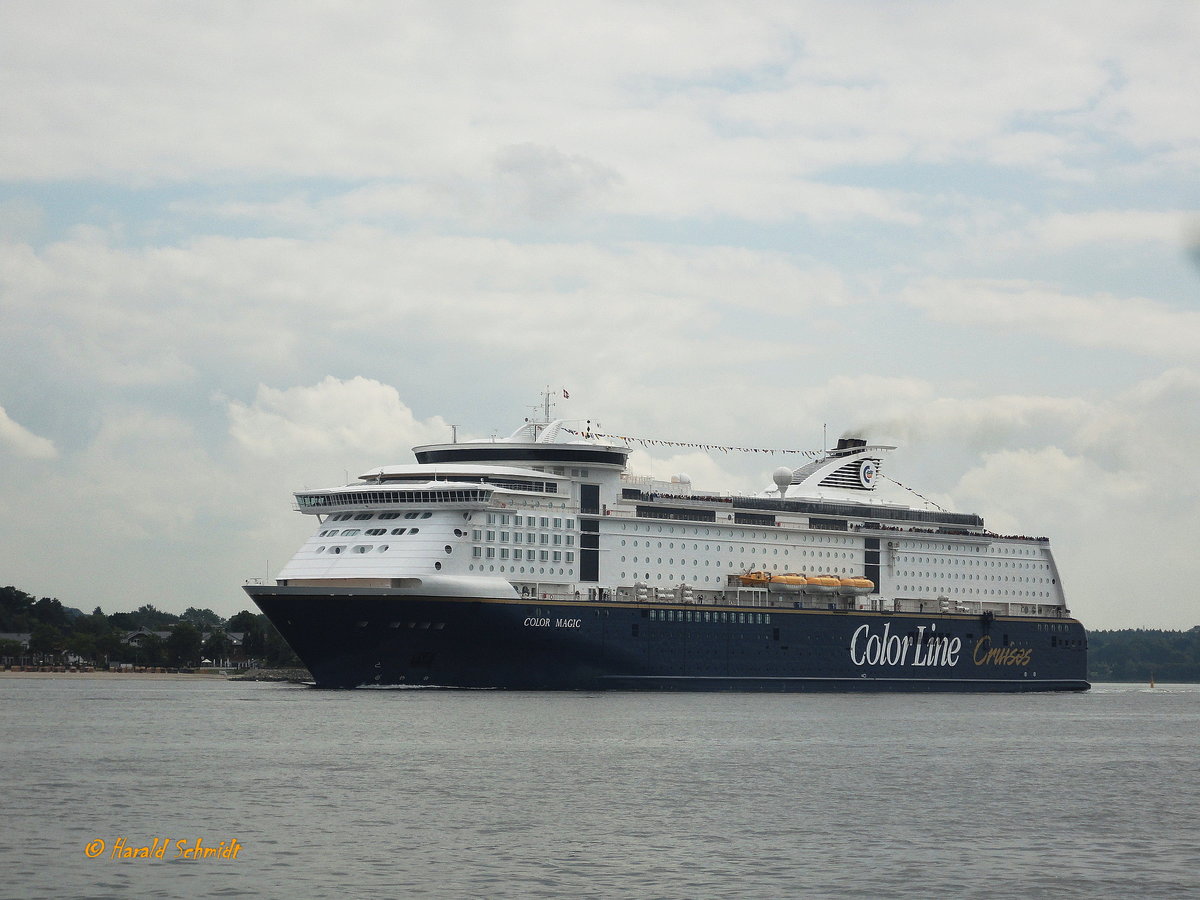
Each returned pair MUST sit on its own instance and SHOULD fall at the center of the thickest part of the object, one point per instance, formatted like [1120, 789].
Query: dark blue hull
[350, 638]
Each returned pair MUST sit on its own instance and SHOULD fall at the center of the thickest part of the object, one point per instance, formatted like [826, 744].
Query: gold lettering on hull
[987, 655]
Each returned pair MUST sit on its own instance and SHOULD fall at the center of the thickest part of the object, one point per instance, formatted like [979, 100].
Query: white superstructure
[551, 512]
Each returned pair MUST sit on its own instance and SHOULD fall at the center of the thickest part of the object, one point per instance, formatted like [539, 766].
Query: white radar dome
[782, 478]
[681, 478]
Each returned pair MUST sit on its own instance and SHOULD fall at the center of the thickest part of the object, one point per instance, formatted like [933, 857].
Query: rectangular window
[557, 556]
[476, 534]
[504, 553]
[491, 519]
[545, 522]
[504, 520]
[570, 540]
[543, 538]
[491, 552]
[530, 554]
[570, 557]
[543, 555]
[570, 523]
[504, 536]
[558, 523]
[477, 552]
[558, 540]
[491, 535]
[518, 521]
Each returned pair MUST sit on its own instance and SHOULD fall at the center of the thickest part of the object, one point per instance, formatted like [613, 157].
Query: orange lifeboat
[855, 586]
[788, 583]
[823, 584]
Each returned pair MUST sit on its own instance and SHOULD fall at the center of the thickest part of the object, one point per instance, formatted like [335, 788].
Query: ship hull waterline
[359, 637]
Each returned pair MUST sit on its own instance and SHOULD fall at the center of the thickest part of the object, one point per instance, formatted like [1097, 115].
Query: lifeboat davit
[855, 586]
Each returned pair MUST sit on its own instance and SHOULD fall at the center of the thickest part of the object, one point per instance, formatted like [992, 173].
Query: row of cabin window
[541, 555]
[363, 517]
[1007, 550]
[987, 591]
[374, 532]
[520, 521]
[787, 537]
[686, 615]
[529, 537]
[994, 563]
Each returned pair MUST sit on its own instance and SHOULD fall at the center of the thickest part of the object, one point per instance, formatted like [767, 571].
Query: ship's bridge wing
[462, 495]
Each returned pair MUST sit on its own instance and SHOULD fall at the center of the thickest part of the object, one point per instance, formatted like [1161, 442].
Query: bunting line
[911, 491]
[656, 442]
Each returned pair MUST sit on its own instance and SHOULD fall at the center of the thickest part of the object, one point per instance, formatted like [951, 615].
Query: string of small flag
[656, 442]
[916, 493]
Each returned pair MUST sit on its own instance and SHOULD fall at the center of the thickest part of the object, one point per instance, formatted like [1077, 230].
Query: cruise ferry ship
[538, 562]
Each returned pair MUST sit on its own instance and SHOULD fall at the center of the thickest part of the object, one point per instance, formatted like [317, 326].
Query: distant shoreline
[104, 673]
[289, 674]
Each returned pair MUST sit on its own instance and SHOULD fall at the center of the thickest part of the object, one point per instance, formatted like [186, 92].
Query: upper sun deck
[513, 478]
[536, 443]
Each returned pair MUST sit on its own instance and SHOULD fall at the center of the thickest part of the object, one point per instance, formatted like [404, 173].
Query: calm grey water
[482, 794]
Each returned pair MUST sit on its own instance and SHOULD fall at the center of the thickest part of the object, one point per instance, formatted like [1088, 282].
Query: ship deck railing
[760, 598]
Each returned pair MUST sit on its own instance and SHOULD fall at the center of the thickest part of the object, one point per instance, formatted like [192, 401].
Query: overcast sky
[247, 248]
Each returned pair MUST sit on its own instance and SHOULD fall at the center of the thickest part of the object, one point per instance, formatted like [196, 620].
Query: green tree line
[1144, 654]
[57, 631]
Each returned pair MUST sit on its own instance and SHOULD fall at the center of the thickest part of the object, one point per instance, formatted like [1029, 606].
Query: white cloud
[728, 112]
[334, 418]
[257, 308]
[1068, 230]
[1132, 324]
[23, 442]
